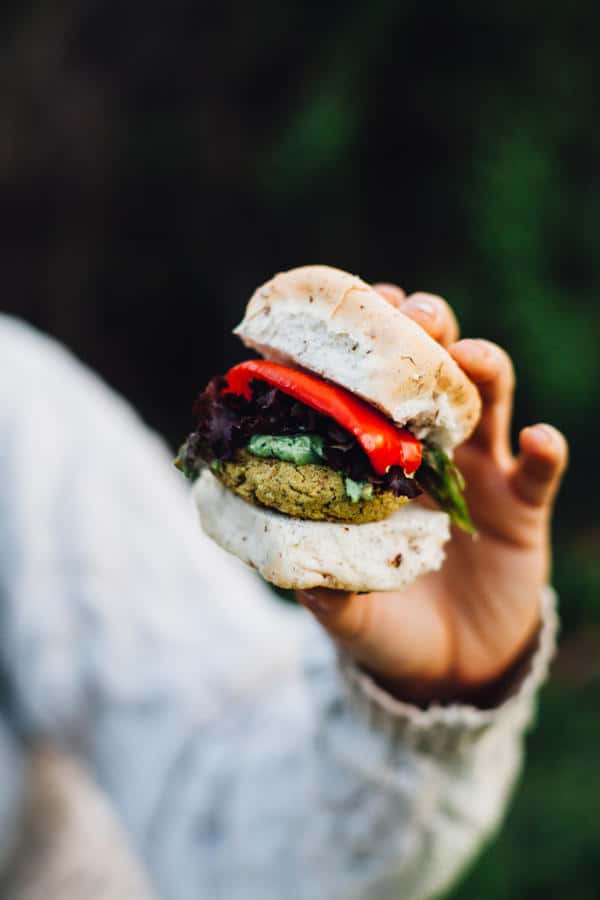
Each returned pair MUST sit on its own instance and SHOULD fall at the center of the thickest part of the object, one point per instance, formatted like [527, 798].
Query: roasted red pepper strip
[384, 444]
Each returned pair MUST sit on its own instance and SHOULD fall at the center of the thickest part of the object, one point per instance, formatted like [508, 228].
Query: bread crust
[301, 554]
[334, 324]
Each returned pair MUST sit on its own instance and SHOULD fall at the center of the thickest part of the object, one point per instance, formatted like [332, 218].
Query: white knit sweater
[193, 713]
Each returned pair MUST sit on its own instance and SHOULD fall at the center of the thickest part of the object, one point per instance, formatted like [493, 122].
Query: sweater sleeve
[468, 761]
[243, 757]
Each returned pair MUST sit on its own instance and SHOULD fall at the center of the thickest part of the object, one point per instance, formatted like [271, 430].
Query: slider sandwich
[308, 462]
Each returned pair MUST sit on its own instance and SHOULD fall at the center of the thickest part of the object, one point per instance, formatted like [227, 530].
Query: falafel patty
[306, 492]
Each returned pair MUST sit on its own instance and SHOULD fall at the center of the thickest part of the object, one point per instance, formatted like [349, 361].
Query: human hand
[455, 631]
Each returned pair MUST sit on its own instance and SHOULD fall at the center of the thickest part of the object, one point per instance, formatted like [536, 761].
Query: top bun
[335, 325]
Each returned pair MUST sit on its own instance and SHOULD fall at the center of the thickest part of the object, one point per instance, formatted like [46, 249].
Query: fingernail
[545, 434]
[488, 350]
[421, 305]
[477, 347]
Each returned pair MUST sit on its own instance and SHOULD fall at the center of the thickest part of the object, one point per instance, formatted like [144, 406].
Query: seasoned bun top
[336, 325]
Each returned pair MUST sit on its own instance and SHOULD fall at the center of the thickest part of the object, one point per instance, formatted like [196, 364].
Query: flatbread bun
[300, 554]
[337, 326]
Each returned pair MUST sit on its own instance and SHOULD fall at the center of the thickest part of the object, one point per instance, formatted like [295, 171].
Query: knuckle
[540, 471]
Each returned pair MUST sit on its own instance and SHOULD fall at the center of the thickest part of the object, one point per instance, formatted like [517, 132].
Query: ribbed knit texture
[244, 760]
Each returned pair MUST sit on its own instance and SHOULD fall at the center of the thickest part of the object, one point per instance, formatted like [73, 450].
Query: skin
[453, 634]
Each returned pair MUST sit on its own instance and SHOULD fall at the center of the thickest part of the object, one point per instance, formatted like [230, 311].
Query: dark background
[159, 160]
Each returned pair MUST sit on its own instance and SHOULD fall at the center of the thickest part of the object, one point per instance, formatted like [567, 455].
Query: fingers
[491, 368]
[485, 363]
[430, 312]
[434, 315]
[540, 465]
[390, 292]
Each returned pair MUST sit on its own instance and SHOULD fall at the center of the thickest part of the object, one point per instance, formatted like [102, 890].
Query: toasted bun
[297, 553]
[334, 324]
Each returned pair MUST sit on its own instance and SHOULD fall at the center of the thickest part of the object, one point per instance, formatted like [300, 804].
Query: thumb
[395, 634]
[344, 615]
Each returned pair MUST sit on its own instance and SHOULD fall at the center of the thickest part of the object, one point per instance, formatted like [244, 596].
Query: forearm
[241, 762]
[304, 781]
[472, 754]
[321, 785]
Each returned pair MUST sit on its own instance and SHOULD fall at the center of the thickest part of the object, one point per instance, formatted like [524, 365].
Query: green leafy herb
[300, 449]
[186, 465]
[358, 490]
[440, 478]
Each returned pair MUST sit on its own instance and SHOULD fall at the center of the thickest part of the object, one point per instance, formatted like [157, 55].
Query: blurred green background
[158, 161]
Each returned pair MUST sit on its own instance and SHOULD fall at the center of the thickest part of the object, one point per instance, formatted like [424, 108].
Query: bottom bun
[300, 554]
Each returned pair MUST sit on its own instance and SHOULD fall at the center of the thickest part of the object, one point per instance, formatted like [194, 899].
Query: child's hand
[454, 631]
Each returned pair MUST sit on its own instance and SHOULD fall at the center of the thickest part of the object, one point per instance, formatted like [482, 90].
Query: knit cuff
[452, 728]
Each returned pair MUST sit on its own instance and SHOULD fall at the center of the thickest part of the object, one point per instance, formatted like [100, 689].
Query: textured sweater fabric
[239, 756]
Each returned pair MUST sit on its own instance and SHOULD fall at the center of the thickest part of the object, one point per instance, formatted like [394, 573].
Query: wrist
[484, 692]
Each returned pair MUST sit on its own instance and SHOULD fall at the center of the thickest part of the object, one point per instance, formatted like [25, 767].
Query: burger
[308, 463]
